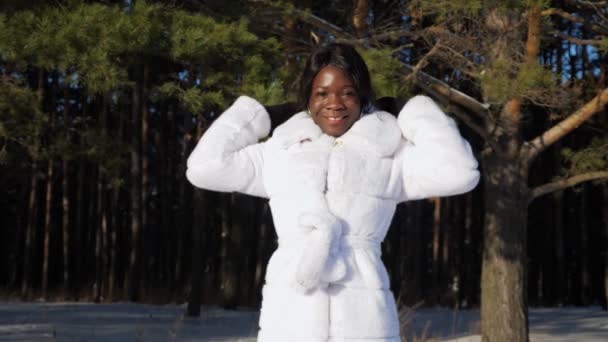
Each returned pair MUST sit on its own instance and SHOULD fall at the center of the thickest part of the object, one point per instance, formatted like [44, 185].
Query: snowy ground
[137, 322]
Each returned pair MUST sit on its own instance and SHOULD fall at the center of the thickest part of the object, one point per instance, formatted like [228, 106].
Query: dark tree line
[101, 103]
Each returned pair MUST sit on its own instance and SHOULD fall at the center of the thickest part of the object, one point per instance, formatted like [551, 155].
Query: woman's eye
[321, 93]
[349, 93]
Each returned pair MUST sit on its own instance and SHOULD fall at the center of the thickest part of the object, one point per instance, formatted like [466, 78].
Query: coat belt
[346, 242]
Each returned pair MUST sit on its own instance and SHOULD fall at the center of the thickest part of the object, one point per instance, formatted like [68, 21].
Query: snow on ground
[125, 322]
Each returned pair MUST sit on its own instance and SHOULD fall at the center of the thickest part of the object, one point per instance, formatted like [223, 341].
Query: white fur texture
[332, 202]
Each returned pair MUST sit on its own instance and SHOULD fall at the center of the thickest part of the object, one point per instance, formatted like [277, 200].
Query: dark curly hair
[342, 56]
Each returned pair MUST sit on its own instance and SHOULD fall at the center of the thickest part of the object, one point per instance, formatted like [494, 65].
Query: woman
[333, 173]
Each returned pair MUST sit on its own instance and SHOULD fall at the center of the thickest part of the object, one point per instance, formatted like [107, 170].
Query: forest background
[101, 103]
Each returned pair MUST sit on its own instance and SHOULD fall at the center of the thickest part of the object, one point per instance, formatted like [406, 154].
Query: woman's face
[334, 103]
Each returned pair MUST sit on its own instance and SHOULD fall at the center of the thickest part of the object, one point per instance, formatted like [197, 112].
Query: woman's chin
[334, 131]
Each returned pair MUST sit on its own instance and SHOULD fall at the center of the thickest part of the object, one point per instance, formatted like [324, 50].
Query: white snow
[122, 322]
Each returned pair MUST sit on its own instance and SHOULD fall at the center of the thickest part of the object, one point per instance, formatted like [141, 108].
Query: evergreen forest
[101, 103]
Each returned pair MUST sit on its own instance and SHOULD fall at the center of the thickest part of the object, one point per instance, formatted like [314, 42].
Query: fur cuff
[419, 108]
[247, 113]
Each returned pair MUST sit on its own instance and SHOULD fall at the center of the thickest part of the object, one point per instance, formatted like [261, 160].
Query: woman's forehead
[331, 75]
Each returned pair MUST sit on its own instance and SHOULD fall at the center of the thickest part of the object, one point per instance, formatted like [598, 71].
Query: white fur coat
[332, 201]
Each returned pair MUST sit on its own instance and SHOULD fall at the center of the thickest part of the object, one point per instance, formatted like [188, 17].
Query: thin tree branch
[560, 12]
[422, 62]
[565, 183]
[384, 36]
[309, 18]
[320, 23]
[428, 82]
[577, 41]
[567, 125]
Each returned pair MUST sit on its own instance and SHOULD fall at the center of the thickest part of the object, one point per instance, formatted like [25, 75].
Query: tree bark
[132, 277]
[146, 235]
[30, 234]
[436, 245]
[98, 267]
[79, 229]
[166, 234]
[560, 264]
[47, 228]
[583, 231]
[262, 247]
[199, 225]
[360, 17]
[229, 269]
[65, 202]
[605, 251]
[194, 300]
[503, 278]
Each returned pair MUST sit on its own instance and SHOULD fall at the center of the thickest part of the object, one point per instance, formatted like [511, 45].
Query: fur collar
[376, 132]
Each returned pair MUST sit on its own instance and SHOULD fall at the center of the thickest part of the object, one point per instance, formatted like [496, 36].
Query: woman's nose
[334, 101]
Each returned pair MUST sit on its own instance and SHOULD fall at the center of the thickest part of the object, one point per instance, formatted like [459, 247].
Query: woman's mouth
[335, 119]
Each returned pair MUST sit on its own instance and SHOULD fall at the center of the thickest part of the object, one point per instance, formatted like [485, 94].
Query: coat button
[338, 142]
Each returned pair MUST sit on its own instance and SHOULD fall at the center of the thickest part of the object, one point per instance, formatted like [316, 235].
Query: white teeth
[335, 119]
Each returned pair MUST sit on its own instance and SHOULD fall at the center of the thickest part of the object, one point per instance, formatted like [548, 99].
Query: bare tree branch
[309, 18]
[567, 125]
[598, 8]
[321, 23]
[565, 183]
[560, 12]
[384, 36]
[589, 26]
[577, 41]
[428, 82]
[422, 62]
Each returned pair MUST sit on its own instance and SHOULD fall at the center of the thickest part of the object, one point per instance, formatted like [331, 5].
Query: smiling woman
[335, 88]
[333, 174]
[334, 102]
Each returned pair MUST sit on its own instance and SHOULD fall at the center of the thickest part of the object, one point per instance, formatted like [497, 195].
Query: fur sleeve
[228, 157]
[434, 158]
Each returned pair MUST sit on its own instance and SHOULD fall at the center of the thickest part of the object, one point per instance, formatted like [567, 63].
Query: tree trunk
[605, 219]
[360, 17]
[98, 271]
[467, 268]
[112, 244]
[65, 201]
[65, 224]
[146, 235]
[132, 277]
[436, 247]
[194, 300]
[28, 248]
[165, 233]
[262, 247]
[244, 247]
[79, 229]
[503, 279]
[444, 267]
[201, 222]
[184, 212]
[47, 228]
[229, 268]
[583, 231]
